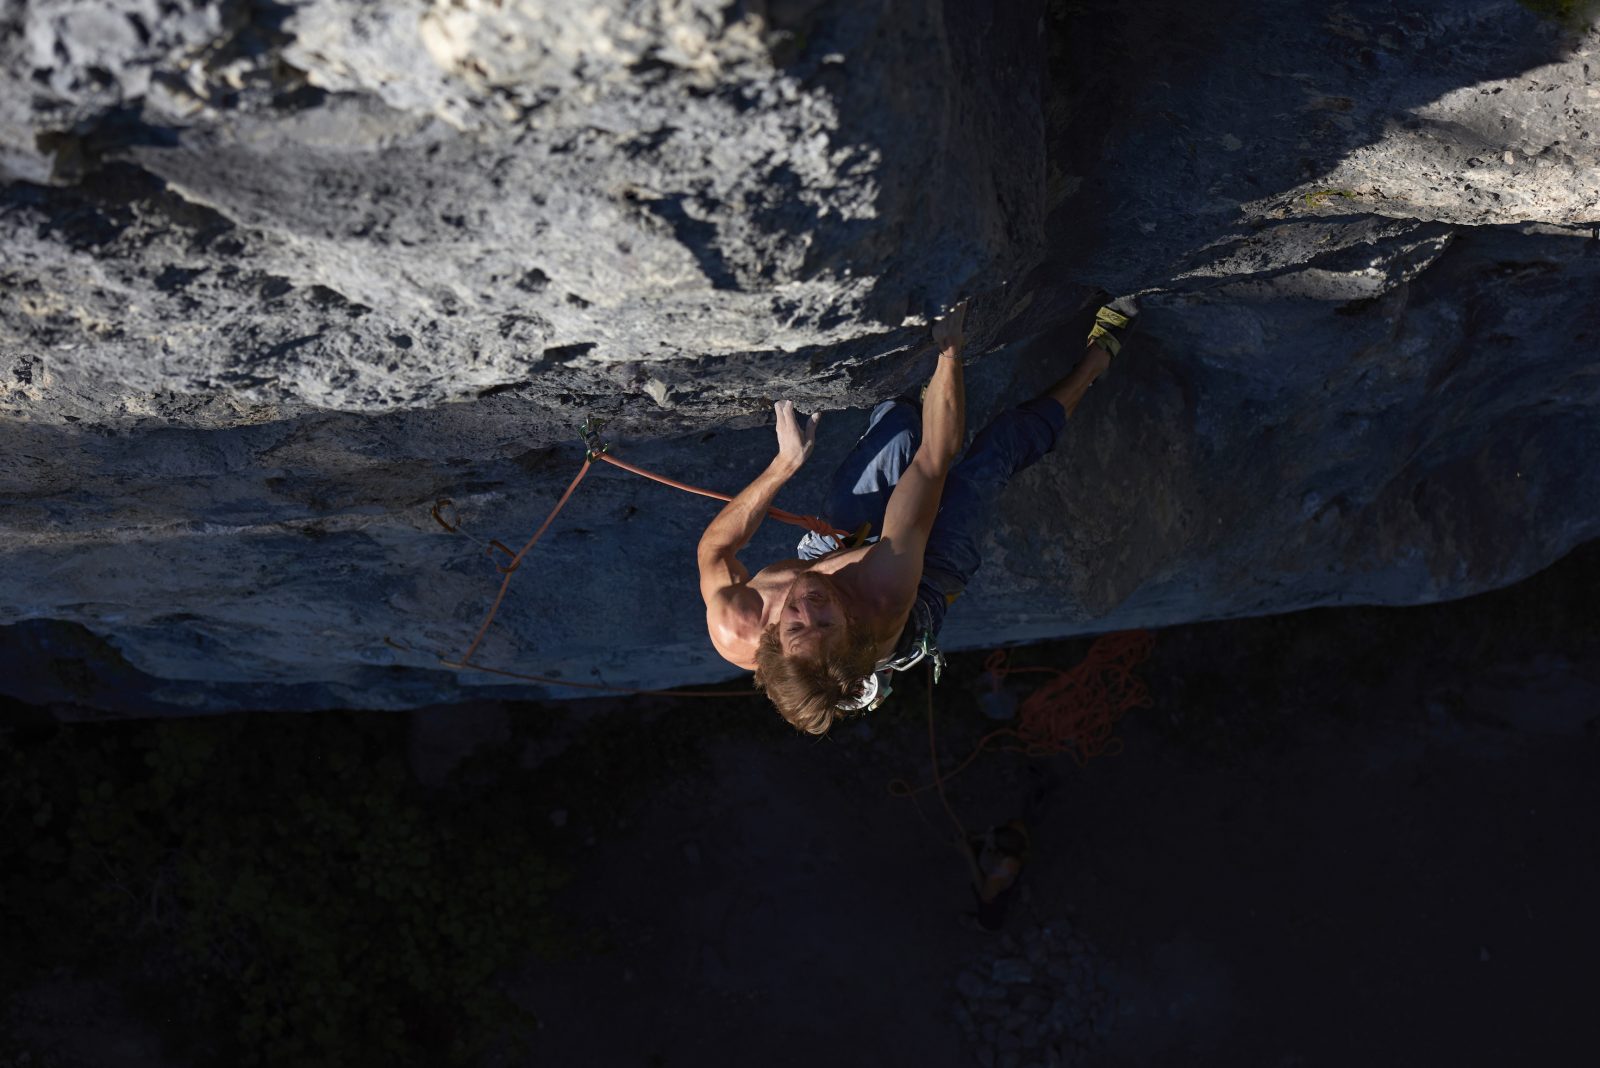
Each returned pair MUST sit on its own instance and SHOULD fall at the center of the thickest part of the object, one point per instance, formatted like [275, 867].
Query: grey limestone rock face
[403, 205]
[277, 277]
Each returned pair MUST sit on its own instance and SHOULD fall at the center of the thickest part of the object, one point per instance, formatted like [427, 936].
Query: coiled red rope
[1075, 712]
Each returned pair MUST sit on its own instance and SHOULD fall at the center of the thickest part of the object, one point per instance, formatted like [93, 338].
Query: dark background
[1355, 835]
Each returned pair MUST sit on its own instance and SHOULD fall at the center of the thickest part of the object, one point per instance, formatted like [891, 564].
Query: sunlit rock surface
[277, 277]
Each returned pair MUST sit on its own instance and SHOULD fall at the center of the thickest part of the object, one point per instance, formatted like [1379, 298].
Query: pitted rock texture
[373, 206]
[277, 277]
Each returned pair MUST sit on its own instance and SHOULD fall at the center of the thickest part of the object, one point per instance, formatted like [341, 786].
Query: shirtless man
[813, 629]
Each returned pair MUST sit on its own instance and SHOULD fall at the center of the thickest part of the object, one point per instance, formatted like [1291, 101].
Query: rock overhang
[255, 331]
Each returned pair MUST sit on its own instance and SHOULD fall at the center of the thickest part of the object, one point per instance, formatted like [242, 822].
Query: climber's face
[812, 617]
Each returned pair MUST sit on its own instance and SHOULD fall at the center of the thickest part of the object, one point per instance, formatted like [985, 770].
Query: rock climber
[821, 631]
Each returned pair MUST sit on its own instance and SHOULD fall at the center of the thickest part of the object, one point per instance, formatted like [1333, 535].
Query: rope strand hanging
[445, 514]
[1075, 712]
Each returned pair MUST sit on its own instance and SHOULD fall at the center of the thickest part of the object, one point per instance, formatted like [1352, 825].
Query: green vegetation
[1573, 14]
[1318, 197]
[294, 893]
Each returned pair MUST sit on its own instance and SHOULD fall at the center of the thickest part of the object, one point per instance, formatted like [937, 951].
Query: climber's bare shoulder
[739, 605]
[733, 620]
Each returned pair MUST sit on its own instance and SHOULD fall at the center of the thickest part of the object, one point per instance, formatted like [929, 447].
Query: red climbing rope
[507, 570]
[810, 522]
[1075, 712]
[444, 513]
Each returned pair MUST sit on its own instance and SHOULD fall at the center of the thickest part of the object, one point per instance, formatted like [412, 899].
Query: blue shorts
[1013, 440]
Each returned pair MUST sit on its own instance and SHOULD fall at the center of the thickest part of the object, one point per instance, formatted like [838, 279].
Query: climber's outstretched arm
[738, 521]
[895, 568]
[733, 528]
[732, 608]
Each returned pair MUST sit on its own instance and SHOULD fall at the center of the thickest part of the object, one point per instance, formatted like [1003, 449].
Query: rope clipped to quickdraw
[445, 514]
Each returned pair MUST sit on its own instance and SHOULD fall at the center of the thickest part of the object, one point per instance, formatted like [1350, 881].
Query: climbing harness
[876, 687]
